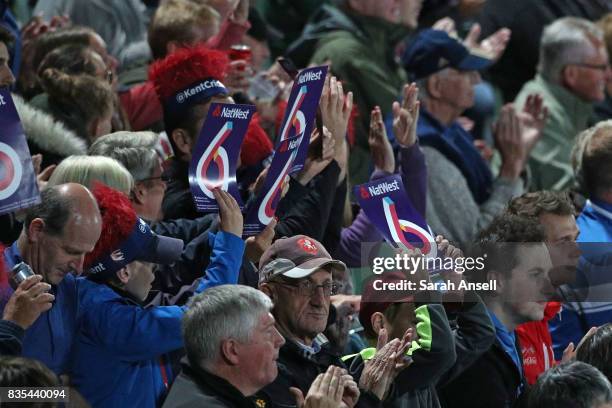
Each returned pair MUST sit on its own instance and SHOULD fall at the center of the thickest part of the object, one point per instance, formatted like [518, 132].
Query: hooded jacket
[47, 136]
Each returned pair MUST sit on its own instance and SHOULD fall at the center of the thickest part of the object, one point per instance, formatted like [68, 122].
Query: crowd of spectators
[496, 115]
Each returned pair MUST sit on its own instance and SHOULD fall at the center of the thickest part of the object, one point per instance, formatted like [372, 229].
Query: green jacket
[362, 54]
[568, 115]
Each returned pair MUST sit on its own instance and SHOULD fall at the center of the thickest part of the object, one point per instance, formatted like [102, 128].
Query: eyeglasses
[307, 288]
[600, 67]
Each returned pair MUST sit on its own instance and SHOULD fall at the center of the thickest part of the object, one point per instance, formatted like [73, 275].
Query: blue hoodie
[118, 358]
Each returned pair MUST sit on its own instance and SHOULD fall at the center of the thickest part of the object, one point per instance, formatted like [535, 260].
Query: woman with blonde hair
[87, 170]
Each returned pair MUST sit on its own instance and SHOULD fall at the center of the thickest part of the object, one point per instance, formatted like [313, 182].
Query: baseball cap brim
[474, 61]
[165, 250]
[311, 266]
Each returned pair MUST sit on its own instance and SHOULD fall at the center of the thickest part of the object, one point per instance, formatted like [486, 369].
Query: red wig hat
[189, 76]
[125, 237]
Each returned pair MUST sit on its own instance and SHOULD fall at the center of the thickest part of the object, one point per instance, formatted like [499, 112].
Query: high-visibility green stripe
[424, 327]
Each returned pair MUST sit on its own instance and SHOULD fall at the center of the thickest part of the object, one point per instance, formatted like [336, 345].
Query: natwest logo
[234, 113]
[310, 76]
[383, 188]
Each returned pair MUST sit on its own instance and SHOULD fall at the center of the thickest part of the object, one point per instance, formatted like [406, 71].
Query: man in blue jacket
[119, 338]
[57, 234]
[592, 156]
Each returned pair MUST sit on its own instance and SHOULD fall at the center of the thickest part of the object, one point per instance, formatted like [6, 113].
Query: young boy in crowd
[123, 341]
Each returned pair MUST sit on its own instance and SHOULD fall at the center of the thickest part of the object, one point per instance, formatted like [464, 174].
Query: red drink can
[240, 52]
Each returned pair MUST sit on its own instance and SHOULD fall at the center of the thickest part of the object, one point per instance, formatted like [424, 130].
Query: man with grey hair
[232, 346]
[572, 75]
[446, 72]
[137, 152]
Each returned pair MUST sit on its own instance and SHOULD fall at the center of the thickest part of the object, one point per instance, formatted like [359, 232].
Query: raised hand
[238, 75]
[229, 212]
[257, 245]
[533, 119]
[493, 46]
[378, 371]
[406, 116]
[28, 302]
[380, 147]
[325, 392]
[509, 142]
[446, 24]
[336, 108]
[569, 353]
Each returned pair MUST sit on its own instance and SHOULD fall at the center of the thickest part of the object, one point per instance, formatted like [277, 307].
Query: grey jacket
[451, 209]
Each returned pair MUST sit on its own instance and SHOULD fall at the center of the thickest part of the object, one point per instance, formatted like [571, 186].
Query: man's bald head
[59, 203]
[60, 231]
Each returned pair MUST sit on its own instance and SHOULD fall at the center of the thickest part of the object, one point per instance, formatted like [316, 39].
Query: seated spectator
[175, 24]
[57, 234]
[527, 20]
[572, 75]
[438, 354]
[45, 43]
[74, 59]
[171, 76]
[83, 102]
[89, 170]
[296, 274]
[306, 207]
[592, 156]
[571, 385]
[555, 212]
[446, 72]
[136, 151]
[519, 262]
[125, 341]
[120, 23]
[232, 346]
[596, 350]
[359, 39]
